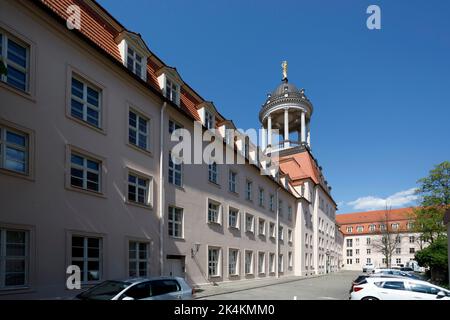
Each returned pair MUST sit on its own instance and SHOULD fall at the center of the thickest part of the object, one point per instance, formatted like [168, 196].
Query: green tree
[434, 197]
[435, 257]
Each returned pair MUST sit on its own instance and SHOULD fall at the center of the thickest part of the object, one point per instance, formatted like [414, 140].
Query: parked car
[396, 272]
[385, 288]
[361, 279]
[161, 288]
[368, 267]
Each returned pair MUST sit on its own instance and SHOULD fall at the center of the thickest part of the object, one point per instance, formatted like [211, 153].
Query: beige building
[363, 233]
[87, 176]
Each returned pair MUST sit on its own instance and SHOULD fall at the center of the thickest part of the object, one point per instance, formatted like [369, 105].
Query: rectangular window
[290, 213]
[357, 251]
[412, 250]
[212, 172]
[172, 91]
[209, 120]
[280, 207]
[233, 218]
[213, 262]
[136, 63]
[349, 261]
[85, 172]
[85, 103]
[14, 258]
[14, 150]
[368, 251]
[233, 256]
[248, 262]
[369, 260]
[137, 259]
[174, 126]
[290, 236]
[272, 230]
[249, 223]
[87, 255]
[271, 200]
[261, 263]
[398, 250]
[138, 130]
[175, 222]
[349, 243]
[262, 227]
[412, 239]
[398, 261]
[15, 56]
[248, 190]
[368, 241]
[357, 260]
[261, 197]
[359, 229]
[272, 262]
[281, 233]
[290, 260]
[175, 171]
[232, 181]
[372, 228]
[349, 229]
[349, 252]
[394, 226]
[138, 189]
[357, 242]
[213, 212]
[280, 263]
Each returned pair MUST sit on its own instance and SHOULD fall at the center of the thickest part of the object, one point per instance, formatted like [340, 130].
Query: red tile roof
[100, 31]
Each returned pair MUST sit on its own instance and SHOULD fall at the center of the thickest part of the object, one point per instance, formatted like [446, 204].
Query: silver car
[160, 288]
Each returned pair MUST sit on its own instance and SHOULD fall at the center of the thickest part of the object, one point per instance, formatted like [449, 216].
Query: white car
[368, 267]
[382, 288]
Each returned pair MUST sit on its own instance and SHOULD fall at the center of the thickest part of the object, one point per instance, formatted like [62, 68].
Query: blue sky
[381, 98]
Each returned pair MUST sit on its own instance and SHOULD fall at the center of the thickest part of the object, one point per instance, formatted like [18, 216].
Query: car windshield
[104, 291]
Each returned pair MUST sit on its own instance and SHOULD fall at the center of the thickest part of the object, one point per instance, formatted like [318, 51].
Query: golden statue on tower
[284, 66]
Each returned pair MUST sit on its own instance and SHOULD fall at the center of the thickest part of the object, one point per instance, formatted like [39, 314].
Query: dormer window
[209, 120]
[135, 62]
[172, 91]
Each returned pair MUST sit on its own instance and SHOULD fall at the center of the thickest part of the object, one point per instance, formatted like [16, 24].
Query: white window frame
[217, 263]
[4, 145]
[85, 259]
[215, 212]
[236, 262]
[137, 260]
[261, 268]
[84, 101]
[272, 262]
[209, 119]
[272, 230]
[85, 170]
[137, 131]
[172, 90]
[177, 169]
[271, 204]
[5, 36]
[349, 229]
[261, 197]
[232, 181]
[252, 226]
[135, 55]
[248, 190]
[237, 224]
[249, 271]
[262, 222]
[4, 257]
[281, 263]
[290, 260]
[172, 211]
[281, 233]
[290, 235]
[213, 173]
[148, 190]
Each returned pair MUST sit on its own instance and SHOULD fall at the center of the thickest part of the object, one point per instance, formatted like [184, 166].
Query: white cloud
[398, 199]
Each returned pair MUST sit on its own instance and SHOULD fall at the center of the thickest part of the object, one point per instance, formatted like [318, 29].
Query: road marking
[328, 298]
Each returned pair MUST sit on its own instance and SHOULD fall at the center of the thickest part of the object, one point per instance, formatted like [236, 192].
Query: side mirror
[441, 294]
[127, 298]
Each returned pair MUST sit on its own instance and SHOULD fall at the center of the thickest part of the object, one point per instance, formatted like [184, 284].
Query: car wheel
[370, 298]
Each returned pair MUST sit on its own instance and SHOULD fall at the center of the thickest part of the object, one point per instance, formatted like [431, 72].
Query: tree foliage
[435, 255]
[434, 197]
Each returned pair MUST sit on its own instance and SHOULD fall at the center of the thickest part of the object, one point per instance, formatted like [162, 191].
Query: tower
[288, 110]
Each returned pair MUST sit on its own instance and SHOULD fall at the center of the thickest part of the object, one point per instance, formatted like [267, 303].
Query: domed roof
[285, 87]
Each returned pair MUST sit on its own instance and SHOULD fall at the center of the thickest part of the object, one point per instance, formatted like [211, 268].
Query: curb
[259, 286]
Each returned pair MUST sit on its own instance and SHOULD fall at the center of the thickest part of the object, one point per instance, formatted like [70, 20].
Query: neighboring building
[87, 178]
[362, 230]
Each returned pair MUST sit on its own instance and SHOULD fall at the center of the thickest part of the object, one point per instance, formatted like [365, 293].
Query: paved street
[328, 287]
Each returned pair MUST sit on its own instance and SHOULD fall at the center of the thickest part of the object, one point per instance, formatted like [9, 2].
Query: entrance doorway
[176, 266]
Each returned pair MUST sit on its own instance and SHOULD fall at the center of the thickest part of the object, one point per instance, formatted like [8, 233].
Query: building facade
[363, 233]
[89, 178]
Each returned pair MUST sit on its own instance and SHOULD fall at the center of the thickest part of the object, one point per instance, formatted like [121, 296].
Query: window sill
[181, 188]
[139, 205]
[86, 124]
[214, 277]
[17, 174]
[233, 228]
[24, 94]
[144, 151]
[214, 184]
[213, 223]
[87, 192]
[234, 193]
[177, 238]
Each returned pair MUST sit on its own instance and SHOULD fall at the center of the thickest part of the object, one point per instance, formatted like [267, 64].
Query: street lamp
[328, 260]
